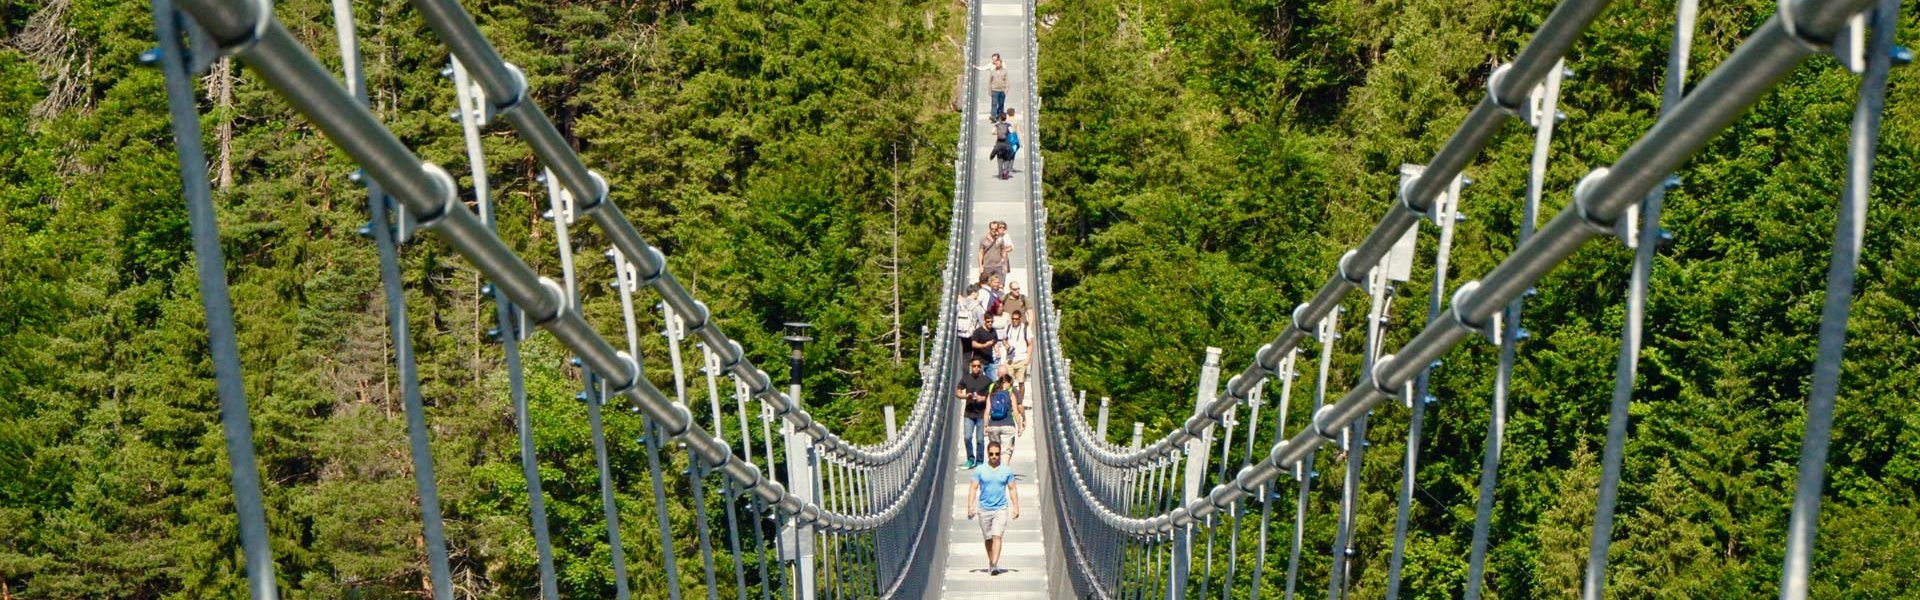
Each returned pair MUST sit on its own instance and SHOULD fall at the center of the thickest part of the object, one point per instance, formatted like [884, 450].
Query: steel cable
[1544, 114]
[210, 269]
[1626, 366]
[1446, 216]
[419, 448]
[1848, 233]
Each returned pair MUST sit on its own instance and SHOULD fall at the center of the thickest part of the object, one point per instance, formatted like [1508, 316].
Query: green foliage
[778, 154]
[1209, 161]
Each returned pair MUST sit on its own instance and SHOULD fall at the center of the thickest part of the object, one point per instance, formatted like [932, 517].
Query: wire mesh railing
[869, 506]
[1133, 528]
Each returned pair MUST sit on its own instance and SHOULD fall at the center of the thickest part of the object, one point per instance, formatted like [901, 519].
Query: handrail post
[1197, 450]
[802, 468]
[1102, 429]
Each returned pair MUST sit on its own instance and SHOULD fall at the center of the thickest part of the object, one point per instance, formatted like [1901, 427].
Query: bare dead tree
[220, 84]
[893, 202]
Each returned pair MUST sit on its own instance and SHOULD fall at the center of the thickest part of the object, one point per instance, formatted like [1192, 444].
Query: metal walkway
[1002, 27]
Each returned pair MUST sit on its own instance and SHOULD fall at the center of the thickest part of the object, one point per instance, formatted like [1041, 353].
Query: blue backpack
[1001, 406]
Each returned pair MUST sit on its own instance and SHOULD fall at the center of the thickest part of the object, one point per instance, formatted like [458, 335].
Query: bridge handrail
[1779, 45]
[1507, 89]
[248, 30]
[506, 87]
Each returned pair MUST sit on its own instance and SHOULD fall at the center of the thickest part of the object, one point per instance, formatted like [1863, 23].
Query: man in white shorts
[993, 498]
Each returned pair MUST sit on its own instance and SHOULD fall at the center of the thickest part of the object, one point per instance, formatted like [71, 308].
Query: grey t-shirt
[997, 79]
[995, 251]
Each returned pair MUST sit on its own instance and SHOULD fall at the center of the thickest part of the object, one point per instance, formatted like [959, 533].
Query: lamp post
[800, 462]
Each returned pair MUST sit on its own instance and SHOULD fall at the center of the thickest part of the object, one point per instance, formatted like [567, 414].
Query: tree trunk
[222, 84]
[895, 263]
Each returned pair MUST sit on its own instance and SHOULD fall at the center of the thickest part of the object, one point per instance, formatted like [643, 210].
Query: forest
[1209, 160]
[793, 159]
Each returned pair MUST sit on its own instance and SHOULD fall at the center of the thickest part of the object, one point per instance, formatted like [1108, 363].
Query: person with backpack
[1002, 149]
[1013, 131]
[966, 314]
[1002, 409]
[1015, 302]
[972, 393]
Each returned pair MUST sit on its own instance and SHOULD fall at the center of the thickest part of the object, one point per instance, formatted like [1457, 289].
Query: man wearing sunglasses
[994, 499]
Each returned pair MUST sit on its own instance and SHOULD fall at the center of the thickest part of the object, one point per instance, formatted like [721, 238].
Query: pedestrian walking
[1003, 427]
[993, 498]
[1012, 122]
[983, 342]
[1015, 302]
[1018, 340]
[996, 86]
[966, 318]
[972, 393]
[996, 251]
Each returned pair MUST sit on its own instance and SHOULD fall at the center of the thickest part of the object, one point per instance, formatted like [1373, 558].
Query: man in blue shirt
[992, 496]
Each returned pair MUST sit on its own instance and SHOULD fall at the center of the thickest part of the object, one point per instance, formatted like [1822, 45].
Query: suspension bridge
[809, 514]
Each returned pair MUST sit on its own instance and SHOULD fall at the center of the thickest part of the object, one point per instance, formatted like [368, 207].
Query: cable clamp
[704, 318]
[658, 259]
[449, 195]
[717, 467]
[1582, 195]
[1318, 429]
[601, 190]
[262, 19]
[633, 371]
[1380, 365]
[1360, 281]
[519, 91]
[1787, 23]
[1406, 198]
[1516, 110]
[734, 359]
[686, 420]
[560, 301]
[1461, 296]
[1260, 360]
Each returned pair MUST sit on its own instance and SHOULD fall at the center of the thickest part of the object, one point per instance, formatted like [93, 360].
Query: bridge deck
[1003, 30]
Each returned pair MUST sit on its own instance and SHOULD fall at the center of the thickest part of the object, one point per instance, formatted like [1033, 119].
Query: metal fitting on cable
[560, 301]
[1265, 355]
[1784, 10]
[262, 19]
[1581, 193]
[1361, 280]
[1240, 479]
[1514, 109]
[701, 316]
[1406, 199]
[1319, 430]
[633, 373]
[1462, 296]
[519, 91]
[730, 361]
[449, 195]
[660, 271]
[1379, 365]
[685, 418]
